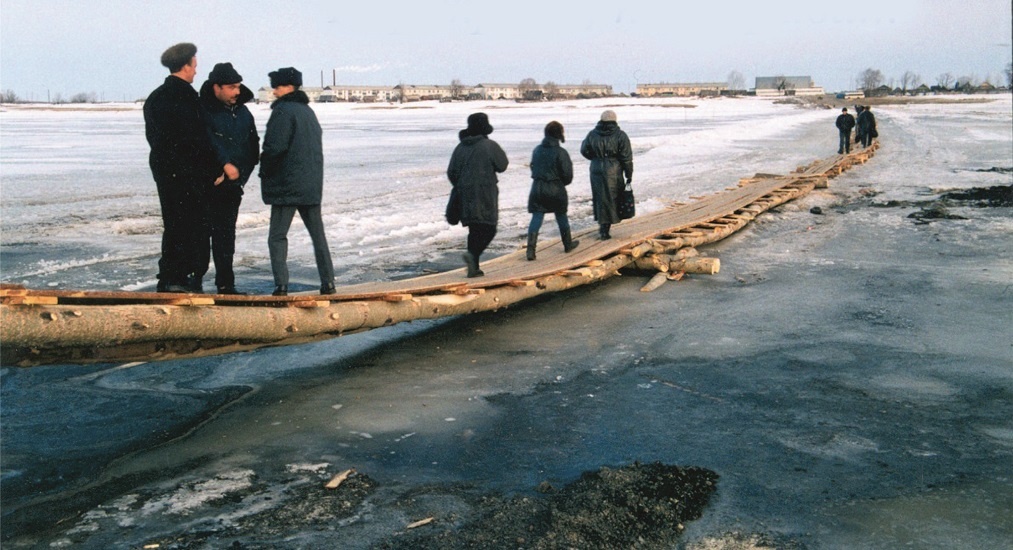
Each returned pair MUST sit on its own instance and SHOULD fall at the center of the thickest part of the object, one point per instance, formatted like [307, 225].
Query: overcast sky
[111, 47]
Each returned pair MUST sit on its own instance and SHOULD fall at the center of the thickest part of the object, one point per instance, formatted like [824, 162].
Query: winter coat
[551, 172]
[176, 128]
[233, 132]
[608, 149]
[292, 162]
[845, 122]
[472, 172]
[867, 124]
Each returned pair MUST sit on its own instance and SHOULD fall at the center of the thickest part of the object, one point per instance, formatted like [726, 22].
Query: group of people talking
[205, 146]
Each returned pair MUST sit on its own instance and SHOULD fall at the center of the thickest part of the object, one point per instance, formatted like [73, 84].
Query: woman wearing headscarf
[472, 171]
[608, 149]
[551, 172]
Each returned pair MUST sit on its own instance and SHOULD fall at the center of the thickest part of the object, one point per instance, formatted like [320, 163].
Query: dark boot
[568, 242]
[472, 262]
[327, 288]
[603, 231]
[195, 283]
[532, 244]
[280, 290]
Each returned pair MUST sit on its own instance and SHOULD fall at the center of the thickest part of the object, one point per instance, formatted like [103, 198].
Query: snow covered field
[80, 210]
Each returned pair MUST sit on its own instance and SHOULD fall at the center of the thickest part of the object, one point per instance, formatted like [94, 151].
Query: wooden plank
[29, 300]
[397, 297]
[520, 283]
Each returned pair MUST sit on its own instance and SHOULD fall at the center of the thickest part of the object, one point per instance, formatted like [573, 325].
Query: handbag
[454, 207]
[627, 206]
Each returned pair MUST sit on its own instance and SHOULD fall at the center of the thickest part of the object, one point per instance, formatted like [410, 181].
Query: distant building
[682, 89]
[771, 86]
[439, 92]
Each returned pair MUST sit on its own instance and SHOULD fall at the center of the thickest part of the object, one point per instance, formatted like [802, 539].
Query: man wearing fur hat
[292, 177]
[608, 149]
[235, 137]
[184, 165]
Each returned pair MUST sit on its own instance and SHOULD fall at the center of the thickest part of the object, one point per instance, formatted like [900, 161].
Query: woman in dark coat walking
[472, 171]
[551, 172]
[867, 127]
[608, 149]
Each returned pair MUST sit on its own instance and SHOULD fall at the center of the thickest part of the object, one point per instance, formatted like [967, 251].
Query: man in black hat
[184, 164]
[292, 177]
[234, 134]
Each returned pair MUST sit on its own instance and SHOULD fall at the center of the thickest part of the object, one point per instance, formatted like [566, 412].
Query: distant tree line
[9, 96]
[871, 79]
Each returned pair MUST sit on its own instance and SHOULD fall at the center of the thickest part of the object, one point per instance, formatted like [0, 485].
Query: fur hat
[178, 55]
[478, 125]
[285, 77]
[608, 116]
[555, 130]
[223, 73]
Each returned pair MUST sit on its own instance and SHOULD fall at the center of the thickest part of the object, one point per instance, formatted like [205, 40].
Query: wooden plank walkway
[47, 326]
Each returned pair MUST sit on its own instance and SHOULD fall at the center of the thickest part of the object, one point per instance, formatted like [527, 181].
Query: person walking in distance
[551, 172]
[867, 126]
[235, 137]
[472, 171]
[608, 149]
[845, 122]
[184, 165]
[292, 177]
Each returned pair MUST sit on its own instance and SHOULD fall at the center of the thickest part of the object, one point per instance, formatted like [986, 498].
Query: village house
[682, 89]
[772, 86]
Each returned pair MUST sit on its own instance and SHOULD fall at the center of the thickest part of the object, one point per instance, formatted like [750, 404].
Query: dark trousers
[845, 146]
[277, 241]
[184, 224]
[223, 205]
[479, 237]
[866, 139]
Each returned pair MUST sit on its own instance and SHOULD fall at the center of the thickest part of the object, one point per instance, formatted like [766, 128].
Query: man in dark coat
[472, 171]
[292, 177]
[184, 164]
[551, 172]
[867, 127]
[845, 122]
[235, 137]
[608, 149]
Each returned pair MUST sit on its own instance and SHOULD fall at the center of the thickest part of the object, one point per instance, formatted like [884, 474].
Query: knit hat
[608, 116]
[223, 73]
[285, 77]
[178, 55]
[478, 124]
[555, 130]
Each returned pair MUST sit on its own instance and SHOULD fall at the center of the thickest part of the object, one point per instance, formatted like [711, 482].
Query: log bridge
[39, 327]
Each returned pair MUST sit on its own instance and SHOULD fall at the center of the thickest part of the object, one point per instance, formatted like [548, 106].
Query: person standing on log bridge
[234, 134]
[184, 165]
[608, 149]
[472, 171]
[867, 126]
[292, 177]
[845, 122]
[551, 172]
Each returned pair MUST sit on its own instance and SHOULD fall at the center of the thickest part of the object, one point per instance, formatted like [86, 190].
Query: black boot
[472, 262]
[327, 288]
[280, 290]
[532, 244]
[195, 283]
[568, 242]
[603, 231]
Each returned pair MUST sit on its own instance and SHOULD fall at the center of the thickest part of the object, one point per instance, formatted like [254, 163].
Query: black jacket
[472, 171]
[608, 148]
[845, 122]
[551, 172]
[867, 123]
[292, 163]
[176, 128]
[233, 131]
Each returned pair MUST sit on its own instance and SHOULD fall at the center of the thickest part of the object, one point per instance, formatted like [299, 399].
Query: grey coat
[292, 162]
[472, 171]
[608, 149]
